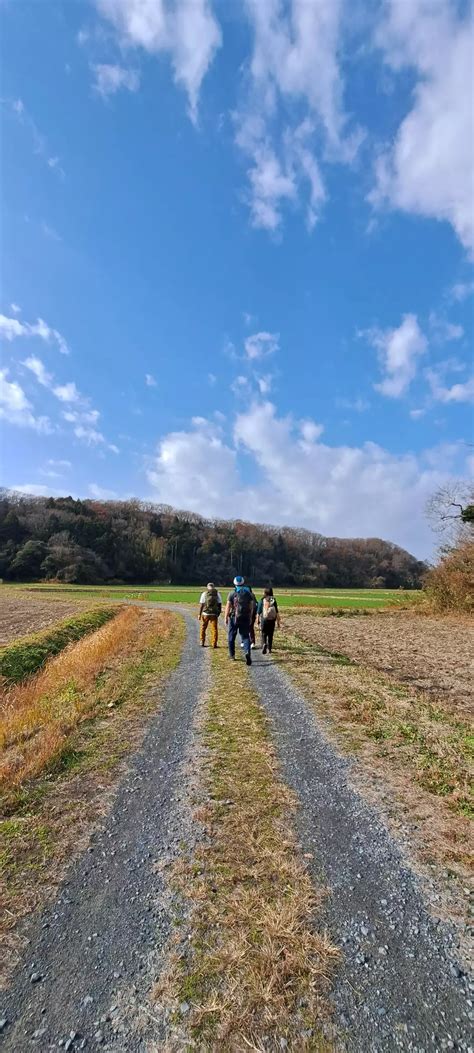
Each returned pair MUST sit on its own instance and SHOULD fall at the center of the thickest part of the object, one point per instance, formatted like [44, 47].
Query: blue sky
[237, 256]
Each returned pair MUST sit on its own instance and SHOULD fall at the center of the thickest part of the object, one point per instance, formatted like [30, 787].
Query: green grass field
[337, 598]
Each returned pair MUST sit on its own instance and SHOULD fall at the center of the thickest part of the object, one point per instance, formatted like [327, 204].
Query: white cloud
[442, 330]
[15, 407]
[15, 308]
[337, 490]
[417, 414]
[38, 140]
[195, 470]
[36, 489]
[399, 351]
[261, 344]
[428, 170]
[463, 392]
[60, 465]
[186, 30]
[12, 328]
[36, 366]
[150, 381]
[55, 469]
[359, 404]
[240, 386]
[109, 79]
[67, 392]
[50, 232]
[459, 291]
[294, 70]
[310, 431]
[264, 384]
[212, 379]
[100, 493]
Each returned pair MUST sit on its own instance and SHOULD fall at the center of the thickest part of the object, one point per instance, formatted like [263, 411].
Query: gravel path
[399, 986]
[90, 963]
[94, 953]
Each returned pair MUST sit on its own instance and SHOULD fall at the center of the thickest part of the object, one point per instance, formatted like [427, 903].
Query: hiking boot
[264, 649]
[232, 657]
[248, 658]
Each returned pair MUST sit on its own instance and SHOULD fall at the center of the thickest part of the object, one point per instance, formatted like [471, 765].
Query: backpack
[269, 609]
[243, 603]
[211, 605]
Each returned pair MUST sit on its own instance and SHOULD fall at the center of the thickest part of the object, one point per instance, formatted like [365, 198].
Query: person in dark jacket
[239, 614]
[268, 616]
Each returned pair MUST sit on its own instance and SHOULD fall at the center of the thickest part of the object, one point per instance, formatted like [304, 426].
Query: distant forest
[125, 542]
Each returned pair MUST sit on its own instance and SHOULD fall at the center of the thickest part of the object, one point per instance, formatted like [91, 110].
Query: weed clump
[450, 585]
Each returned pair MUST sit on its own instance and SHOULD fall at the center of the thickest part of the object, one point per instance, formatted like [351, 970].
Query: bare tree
[450, 510]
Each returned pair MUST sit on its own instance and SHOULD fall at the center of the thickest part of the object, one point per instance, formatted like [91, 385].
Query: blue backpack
[243, 602]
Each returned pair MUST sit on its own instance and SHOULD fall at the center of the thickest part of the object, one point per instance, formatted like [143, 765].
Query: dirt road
[95, 953]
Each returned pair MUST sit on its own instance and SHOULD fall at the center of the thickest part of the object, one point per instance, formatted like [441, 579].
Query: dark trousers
[242, 626]
[268, 628]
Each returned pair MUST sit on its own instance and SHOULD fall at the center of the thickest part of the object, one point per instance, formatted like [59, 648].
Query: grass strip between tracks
[252, 969]
[45, 819]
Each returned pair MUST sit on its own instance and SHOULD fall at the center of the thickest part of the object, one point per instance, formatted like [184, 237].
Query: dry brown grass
[47, 820]
[255, 969]
[37, 716]
[450, 585]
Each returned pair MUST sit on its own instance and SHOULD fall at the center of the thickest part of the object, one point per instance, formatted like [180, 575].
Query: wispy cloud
[283, 80]
[150, 381]
[39, 142]
[428, 168]
[100, 493]
[110, 79]
[442, 392]
[12, 329]
[399, 351]
[259, 345]
[16, 408]
[37, 367]
[186, 30]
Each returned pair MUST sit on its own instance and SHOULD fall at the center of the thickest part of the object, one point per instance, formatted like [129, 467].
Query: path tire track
[91, 949]
[399, 986]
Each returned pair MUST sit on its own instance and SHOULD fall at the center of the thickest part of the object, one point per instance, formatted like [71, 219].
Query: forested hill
[135, 542]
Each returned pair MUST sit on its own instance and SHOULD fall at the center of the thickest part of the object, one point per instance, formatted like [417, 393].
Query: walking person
[210, 606]
[268, 616]
[239, 612]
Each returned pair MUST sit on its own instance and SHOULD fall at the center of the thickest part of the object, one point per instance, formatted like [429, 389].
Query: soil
[434, 655]
[21, 614]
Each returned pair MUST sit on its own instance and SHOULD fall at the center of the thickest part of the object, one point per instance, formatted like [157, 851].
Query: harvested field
[22, 613]
[434, 654]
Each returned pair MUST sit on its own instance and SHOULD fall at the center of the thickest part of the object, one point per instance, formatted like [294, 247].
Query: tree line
[135, 542]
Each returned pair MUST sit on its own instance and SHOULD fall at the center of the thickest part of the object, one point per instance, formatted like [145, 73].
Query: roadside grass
[25, 656]
[252, 967]
[45, 820]
[420, 747]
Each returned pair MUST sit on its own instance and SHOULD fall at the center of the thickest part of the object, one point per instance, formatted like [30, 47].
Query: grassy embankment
[418, 748]
[64, 732]
[251, 967]
[24, 657]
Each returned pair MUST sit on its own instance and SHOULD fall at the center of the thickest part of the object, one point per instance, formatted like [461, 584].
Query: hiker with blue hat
[239, 613]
